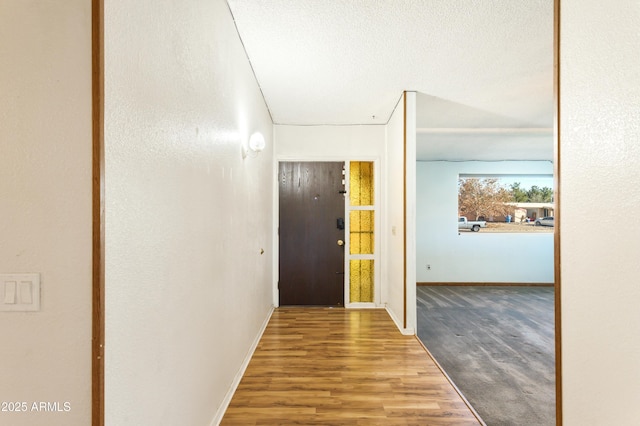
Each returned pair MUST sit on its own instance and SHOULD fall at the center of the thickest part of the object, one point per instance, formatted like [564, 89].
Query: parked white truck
[474, 226]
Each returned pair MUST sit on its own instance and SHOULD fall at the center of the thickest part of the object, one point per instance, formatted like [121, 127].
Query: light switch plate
[19, 292]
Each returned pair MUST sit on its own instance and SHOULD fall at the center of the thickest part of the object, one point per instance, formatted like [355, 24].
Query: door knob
[340, 242]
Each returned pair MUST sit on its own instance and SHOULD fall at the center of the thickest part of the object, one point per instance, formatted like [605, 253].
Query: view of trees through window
[505, 204]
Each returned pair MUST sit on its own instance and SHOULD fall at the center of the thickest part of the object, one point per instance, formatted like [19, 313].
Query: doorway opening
[469, 270]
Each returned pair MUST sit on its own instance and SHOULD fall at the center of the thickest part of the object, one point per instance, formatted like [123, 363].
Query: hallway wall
[329, 142]
[600, 130]
[45, 208]
[187, 288]
[394, 225]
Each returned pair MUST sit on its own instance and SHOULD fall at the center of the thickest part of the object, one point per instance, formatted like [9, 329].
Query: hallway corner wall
[599, 153]
[188, 216]
[45, 209]
[394, 225]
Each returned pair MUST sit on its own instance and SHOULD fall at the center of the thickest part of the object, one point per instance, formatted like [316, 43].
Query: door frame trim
[98, 209]
[557, 211]
[405, 212]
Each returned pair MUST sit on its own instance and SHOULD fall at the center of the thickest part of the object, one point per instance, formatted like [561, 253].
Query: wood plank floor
[342, 367]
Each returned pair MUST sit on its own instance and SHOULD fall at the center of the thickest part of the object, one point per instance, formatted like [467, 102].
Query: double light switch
[20, 292]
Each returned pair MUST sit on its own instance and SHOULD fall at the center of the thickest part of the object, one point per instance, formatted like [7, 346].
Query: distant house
[522, 211]
[531, 210]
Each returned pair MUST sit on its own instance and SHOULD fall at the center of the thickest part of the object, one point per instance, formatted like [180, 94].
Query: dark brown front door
[311, 213]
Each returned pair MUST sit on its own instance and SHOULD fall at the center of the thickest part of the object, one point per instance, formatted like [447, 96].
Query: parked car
[474, 226]
[544, 221]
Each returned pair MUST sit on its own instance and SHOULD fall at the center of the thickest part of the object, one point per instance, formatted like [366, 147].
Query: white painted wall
[329, 142]
[411, 210]
[187, 289]
[394, 222]
[45, 206]
[471, 256]
[600, 130]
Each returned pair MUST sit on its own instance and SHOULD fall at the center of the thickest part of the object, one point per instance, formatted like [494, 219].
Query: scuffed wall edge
[236, 381]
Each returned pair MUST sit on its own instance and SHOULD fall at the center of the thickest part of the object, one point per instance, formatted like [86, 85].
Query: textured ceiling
[348, 61]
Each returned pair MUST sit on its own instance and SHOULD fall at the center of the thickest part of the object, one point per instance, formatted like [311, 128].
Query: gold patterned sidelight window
[361, 183]
[361, 231]
[361, 278]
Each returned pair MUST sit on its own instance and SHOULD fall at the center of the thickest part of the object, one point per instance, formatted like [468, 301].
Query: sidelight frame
[376, 256]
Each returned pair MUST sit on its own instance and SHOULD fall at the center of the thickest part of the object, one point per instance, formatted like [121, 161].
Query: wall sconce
[256, 145]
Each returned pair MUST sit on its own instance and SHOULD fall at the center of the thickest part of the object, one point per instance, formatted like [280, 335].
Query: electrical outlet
[428, 267]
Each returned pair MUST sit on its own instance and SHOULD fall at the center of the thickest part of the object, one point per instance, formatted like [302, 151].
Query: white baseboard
[405, 331]
[236, 380]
